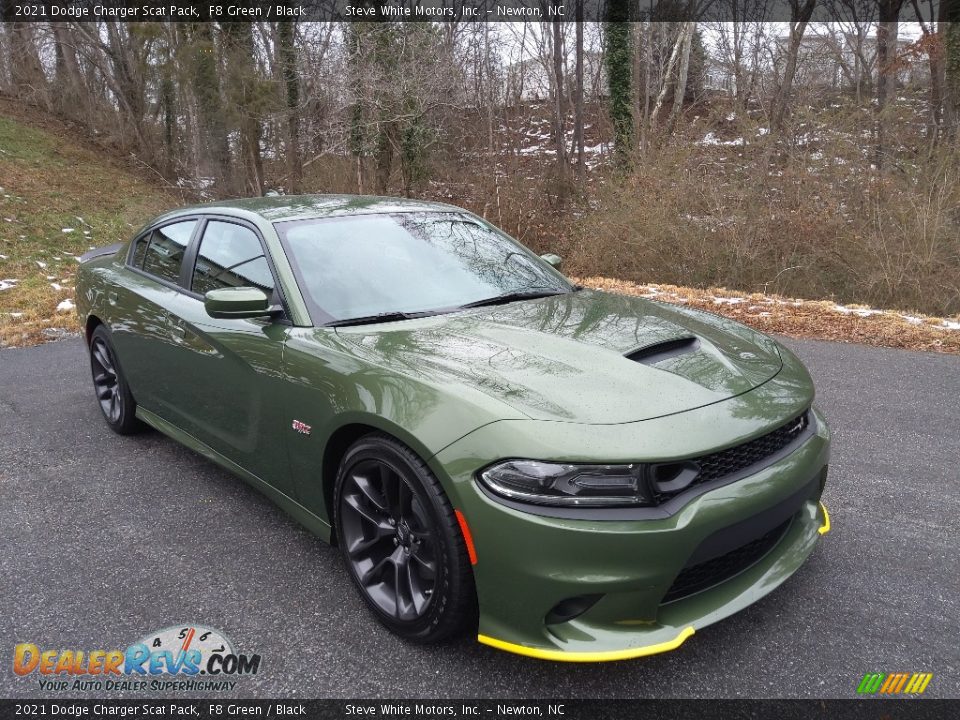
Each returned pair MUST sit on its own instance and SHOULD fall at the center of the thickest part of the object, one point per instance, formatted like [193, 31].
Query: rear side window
[161, 252]
[230, 256]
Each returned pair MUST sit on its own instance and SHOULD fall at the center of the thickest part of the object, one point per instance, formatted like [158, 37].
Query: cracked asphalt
[105, 539]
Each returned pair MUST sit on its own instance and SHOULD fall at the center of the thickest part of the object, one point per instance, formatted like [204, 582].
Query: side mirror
[554, 260]
[236, 303]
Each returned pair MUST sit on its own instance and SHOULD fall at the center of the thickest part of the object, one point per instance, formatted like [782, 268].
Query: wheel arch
[344, 436]
[92, 323]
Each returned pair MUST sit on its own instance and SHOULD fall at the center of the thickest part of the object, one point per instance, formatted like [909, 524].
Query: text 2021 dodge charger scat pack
[572, 474]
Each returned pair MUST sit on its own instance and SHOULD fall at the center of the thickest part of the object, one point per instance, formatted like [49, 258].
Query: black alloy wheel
[113, 394]
[401, 541]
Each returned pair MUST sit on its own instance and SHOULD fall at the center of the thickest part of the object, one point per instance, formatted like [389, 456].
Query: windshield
[368, 265]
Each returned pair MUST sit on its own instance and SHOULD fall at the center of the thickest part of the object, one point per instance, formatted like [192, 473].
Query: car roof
[278, 208]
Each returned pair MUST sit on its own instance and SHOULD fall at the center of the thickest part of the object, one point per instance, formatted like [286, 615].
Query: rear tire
[401, 542]
[113, 394]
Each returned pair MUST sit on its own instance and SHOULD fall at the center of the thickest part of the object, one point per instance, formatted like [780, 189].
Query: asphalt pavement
[106, 538]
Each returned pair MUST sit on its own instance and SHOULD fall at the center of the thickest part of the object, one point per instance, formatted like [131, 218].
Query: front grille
[705, 575]
[730, 462]
[733, 460]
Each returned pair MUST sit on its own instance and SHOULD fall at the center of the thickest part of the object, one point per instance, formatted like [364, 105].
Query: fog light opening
[572, 607]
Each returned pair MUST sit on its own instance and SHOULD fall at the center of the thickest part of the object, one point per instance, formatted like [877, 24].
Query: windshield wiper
[382, 318]
[513, 297]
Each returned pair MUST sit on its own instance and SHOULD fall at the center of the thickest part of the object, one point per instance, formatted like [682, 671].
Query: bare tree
[578, 95]
[800, 12]
[287, 60]
[887, 32]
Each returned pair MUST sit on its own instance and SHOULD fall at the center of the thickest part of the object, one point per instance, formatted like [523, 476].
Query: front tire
[113, 394]
[401, 542]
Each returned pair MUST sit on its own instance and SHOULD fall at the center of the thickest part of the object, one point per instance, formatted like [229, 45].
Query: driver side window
[230, 256]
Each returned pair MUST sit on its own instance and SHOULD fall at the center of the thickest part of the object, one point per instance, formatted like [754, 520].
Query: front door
[232, 369]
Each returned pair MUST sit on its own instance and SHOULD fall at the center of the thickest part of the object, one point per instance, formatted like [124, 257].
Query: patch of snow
[912, 319]
[951, 325]
[8, 283]
[727, 301]
[859, 312]
[65, 305]
[3, 257]
[763, 131]
[15, 316]
[43, 265]
[56, 286]
[731, 117]
[711, 139]
[67, 230]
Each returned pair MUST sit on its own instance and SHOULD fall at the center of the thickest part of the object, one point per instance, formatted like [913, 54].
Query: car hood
[569, 357]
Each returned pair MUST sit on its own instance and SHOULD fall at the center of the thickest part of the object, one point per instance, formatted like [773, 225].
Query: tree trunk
[799, 17]
[287, 51]
[887, 30]
[950, 30]
[384, 158]
[578, 105]
[680, 88]
[559, 110]
[668, 73]
[26, 71]
[619, 69]
[70, 99]
[206, 85]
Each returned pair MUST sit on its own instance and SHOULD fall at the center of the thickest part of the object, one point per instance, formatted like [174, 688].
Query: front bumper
[528, 564]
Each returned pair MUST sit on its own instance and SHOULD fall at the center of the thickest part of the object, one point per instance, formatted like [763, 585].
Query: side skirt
[311, 522]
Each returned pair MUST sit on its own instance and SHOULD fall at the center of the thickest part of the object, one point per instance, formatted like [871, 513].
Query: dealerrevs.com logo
[186, 657]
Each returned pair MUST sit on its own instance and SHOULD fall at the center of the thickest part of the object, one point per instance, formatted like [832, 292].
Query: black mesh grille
[733, 460]
[705, 575]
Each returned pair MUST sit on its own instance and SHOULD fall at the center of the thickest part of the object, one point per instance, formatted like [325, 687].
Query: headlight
[545, 483]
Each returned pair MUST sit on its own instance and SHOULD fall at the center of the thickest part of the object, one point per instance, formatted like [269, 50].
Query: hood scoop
[657, 352]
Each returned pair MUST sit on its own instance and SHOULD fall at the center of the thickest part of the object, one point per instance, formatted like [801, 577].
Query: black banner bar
[437, 10]
[865, 709]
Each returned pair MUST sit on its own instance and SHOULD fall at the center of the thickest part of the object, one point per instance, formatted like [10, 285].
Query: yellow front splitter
[825, 528]
[598, 656]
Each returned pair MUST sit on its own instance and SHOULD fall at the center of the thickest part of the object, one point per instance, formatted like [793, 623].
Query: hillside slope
[58, 198]
[61, 195]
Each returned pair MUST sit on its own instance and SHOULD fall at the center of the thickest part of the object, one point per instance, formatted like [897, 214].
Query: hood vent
[652, 354]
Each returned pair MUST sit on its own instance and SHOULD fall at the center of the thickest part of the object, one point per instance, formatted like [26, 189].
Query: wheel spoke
[105, 392]
[429, 567]
[103, 357]
[375, 497]
[390, 485]
[403, 591]
[361, 547]
[417, 594]
[372, 516]
[376, 570]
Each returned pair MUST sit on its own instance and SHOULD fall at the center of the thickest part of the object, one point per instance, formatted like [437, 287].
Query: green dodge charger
[570, 474]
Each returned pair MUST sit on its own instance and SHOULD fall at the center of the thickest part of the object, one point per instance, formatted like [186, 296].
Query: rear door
[141, 305]
[230, 371]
